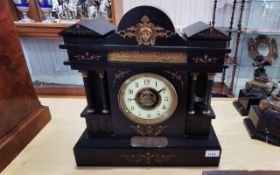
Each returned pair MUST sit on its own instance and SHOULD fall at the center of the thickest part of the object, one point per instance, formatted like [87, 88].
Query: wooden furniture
[21, 114]
[51, 154]
[40, 30]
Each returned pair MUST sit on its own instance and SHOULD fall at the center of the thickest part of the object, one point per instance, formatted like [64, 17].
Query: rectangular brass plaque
[149, 57]
[148, 142]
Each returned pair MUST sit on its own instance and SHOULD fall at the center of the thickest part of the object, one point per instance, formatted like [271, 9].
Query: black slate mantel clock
[148, 90]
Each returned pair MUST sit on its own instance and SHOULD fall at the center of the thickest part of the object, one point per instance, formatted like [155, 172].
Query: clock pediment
[94, 28]
[202, 31]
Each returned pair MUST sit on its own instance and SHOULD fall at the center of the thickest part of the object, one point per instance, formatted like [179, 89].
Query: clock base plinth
[246, 99]
[111, 151]
[263, 125]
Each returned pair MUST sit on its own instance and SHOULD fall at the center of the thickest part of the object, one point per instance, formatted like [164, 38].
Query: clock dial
[147, 98]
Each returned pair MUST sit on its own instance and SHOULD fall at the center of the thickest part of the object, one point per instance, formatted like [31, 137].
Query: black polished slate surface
[246, 100]
[112, 151]
[263, 125]
[107, 135]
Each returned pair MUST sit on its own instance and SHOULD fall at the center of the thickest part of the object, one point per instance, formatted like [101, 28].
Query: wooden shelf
[40, 30]
[50, 31]
[60, 90]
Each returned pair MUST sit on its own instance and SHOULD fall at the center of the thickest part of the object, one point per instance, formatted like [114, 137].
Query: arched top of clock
[156, 16]
[146, 26]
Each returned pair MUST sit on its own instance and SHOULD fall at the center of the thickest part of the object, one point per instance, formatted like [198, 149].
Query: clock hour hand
[161, 90]
[130, 99]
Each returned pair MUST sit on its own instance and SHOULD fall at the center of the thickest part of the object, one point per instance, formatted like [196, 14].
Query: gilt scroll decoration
[149, 130]
[147, 158]
[119, 75]
[205, 59]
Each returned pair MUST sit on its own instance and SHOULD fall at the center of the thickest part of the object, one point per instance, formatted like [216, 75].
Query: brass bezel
[136, 119]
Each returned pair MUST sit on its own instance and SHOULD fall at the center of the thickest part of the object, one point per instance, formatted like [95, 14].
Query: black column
[104, 97]
[192, 93]
[90, 105]
[207, 98]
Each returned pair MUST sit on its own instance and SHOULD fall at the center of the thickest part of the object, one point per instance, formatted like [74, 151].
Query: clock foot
[90, 110]
[105, 111]
[206, 112]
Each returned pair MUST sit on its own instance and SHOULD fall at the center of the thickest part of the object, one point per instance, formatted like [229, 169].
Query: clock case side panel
[98, 122]
[122, 126]
[199, 123]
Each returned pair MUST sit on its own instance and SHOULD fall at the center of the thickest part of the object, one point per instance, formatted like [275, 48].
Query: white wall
[186, 12]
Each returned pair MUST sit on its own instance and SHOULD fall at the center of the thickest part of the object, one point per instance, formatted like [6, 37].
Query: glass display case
[260, 36]
[45, 63]
[40, 39]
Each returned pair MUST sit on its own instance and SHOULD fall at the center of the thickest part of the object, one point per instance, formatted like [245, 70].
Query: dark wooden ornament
[239, 31]
[227, 58]
[146, 43]
[21, 114]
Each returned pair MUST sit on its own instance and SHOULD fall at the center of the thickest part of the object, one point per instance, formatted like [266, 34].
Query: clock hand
[161, 90]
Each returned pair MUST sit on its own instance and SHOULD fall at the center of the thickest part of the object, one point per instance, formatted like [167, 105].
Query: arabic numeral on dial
[132, 108]
[146, 82]
[130, 91]
[163, 107]
[156, 83]
[149, 116]
[165, 99]
[158, 113]
[136, 84]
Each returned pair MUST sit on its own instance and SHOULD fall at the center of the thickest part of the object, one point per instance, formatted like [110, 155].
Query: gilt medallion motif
[145, 32]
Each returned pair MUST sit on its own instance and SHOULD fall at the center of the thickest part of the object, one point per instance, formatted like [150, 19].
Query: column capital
[211, 76]
[84, 73]
[194, 75]
[100, 74]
